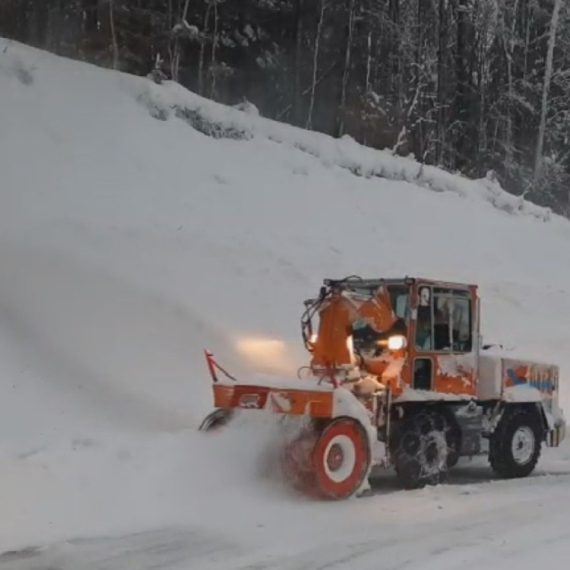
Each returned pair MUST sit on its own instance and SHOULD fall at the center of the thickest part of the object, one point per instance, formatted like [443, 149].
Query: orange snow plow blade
[316, 404]
[294, 401]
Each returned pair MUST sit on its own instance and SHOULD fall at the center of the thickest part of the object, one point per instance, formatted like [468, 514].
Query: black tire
[419, 449]
[521, 429]
[453, 443]
[216, 419]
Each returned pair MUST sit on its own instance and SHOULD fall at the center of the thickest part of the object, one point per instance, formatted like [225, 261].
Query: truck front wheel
[515, 445]
[419, 449]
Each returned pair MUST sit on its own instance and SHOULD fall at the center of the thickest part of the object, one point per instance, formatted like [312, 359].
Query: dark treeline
[469, 85]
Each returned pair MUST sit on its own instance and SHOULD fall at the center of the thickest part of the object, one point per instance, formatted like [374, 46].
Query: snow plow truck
[398, 377]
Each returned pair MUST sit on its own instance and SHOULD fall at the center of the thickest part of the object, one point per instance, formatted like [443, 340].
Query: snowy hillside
[140, 224]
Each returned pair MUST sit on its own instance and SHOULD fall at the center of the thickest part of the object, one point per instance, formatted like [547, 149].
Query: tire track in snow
[167, 548]
[483, 531]
[475, 539]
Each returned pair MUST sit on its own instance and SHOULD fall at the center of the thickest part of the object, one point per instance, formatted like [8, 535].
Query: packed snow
[141, 224]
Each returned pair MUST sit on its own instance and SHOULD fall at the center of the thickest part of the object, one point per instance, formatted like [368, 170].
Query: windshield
[399, 296]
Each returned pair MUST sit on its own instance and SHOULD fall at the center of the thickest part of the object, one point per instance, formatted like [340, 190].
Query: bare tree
[213, 63]
[316, 63]
[181, 25]
[347, 61]
[113, 34]
[546, 88]
[202, 52]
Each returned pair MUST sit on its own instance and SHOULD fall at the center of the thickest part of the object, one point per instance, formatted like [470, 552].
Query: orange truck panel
[457, 384]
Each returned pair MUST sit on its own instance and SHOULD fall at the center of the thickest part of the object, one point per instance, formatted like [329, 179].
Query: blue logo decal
[541, 385]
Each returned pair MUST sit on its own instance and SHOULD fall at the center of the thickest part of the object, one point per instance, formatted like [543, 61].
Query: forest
[473, 86]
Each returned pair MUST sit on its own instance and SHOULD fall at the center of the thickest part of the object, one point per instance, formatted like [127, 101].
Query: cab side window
[424, 328]
[462, 329]
[444, 320]
[443, 302]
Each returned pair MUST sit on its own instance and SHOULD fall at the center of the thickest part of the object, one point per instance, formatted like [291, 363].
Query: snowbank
[214, 120]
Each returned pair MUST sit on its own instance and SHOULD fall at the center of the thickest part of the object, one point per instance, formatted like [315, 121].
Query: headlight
[397, 342]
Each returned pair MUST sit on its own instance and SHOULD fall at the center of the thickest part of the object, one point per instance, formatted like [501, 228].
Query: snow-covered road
[470, 523]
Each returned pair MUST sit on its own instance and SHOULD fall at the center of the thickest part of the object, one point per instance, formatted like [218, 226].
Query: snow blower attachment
[398, 377]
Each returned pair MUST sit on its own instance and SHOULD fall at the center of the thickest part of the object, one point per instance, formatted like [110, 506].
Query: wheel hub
[432, 452]
[523, 445]
[335, 457]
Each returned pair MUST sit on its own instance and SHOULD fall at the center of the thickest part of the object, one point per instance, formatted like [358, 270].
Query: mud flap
[555, 436]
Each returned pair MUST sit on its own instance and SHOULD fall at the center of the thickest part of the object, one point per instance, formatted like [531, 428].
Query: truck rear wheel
[515, 446]
[419, 449]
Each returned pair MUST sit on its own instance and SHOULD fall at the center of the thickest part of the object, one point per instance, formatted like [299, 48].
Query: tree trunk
[368, 63]
[461, 99]
[176, 56]
[297, 98]
[315, 64]
[214, 46]
[546, 89]
[113, 35]
[395, 63]
[440, 83]
[508, 46]
[346, 71]
[202, 52]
